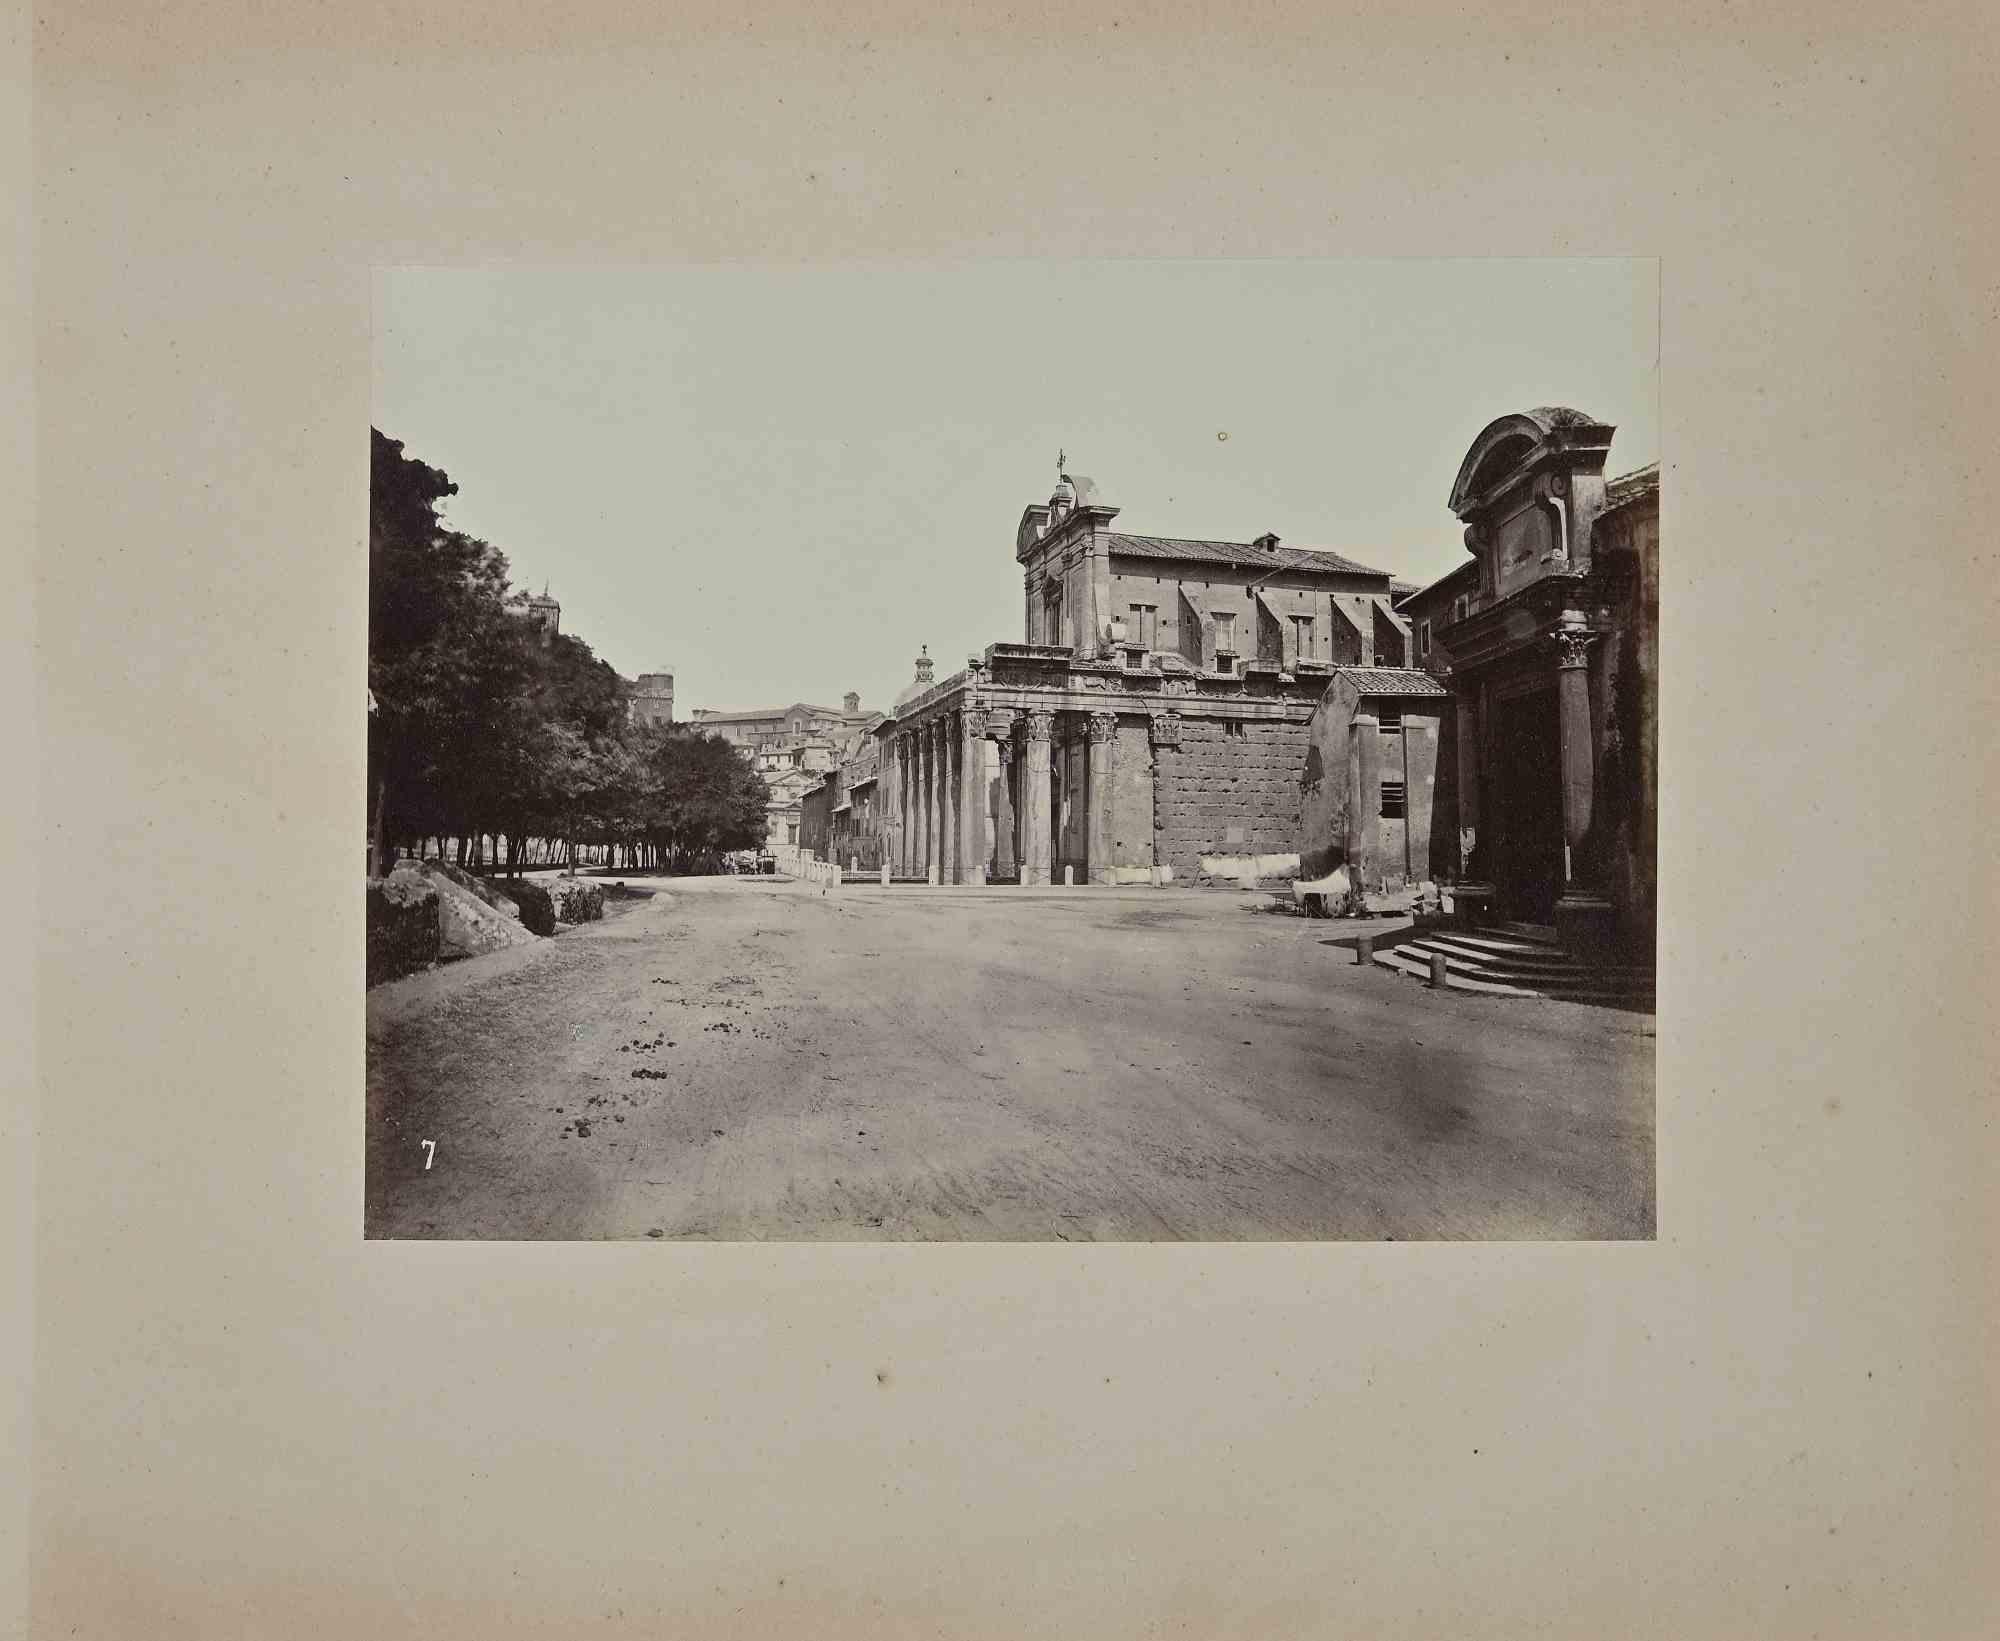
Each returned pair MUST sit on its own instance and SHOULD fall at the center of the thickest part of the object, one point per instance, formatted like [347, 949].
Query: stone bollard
[1438, 980]
[854, 864]
[1069, 877]
[1158, 881]
[931, 874]
[885, 874]
[1364, 948]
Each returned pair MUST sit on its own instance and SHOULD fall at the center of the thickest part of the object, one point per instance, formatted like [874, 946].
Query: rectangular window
[1391, 721]
[1145, 624]
[1392, 800]
[1225, 634]
[1302, 625]
[1423, 639]
[1461, 606]
[1233, 730]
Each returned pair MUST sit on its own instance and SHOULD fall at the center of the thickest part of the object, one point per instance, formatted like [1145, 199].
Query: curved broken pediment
[1513, 445]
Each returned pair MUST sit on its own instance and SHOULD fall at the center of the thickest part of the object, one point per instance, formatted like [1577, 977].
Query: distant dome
[918, 684]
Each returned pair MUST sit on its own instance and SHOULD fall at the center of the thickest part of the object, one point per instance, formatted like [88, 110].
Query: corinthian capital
[1103, 727]
[1572, 646]
[1041, 723]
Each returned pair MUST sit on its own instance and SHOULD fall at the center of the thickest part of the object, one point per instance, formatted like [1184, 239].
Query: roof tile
[1240, 553]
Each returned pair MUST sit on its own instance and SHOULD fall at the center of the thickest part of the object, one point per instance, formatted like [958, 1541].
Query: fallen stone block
[530, 902]
[469, 925]
[403, 927]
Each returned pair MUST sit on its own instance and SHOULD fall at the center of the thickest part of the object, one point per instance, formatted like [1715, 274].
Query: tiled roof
[1462, 572]
[757, 714]
[1240, 553]
[1391, 681]
[1630, 487]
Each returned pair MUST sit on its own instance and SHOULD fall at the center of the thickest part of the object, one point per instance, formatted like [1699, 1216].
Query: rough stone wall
[1132, 796]
[1068, 791]
[1223, 794]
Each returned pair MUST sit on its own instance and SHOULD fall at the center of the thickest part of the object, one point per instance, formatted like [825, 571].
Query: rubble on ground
[531, 902]
[402, 927]
[470, 923]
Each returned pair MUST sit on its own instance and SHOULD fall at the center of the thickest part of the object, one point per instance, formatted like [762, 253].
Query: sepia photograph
[1091, 752]
[1063, 932]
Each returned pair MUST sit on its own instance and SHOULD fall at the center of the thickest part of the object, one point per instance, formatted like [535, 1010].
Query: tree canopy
[482, 723]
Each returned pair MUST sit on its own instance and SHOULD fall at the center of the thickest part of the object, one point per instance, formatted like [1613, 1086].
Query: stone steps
[1518, 965]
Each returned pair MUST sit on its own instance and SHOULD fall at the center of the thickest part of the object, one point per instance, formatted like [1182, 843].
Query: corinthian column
[948, 865]
[1038, 725]
[1097, 814]
[1573, 709]
[1584, 918]
[972, 795]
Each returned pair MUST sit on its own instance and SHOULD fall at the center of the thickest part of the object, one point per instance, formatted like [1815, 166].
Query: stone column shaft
[972, 796]
[1035, 820]
[1573, 712]
[1098, 800]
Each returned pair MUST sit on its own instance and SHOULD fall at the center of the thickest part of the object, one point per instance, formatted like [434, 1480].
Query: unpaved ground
[746, 1058]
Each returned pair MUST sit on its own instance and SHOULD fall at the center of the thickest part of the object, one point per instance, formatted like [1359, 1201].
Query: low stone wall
[403, 928]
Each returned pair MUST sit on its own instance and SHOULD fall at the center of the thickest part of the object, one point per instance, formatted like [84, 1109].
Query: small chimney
[851, 702]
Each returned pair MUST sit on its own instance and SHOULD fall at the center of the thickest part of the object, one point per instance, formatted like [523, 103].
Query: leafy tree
[482, 724]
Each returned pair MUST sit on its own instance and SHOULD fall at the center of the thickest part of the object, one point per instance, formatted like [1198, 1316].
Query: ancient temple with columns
[1152, 724]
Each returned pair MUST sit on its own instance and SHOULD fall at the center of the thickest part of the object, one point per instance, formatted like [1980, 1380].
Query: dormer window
[1225, 641]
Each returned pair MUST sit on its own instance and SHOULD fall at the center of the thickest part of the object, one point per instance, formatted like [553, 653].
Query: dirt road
[745, 1058]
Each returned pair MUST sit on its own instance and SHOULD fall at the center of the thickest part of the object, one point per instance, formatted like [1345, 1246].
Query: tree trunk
[380, 843]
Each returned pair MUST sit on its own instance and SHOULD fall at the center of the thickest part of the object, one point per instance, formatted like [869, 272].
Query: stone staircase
[1520, 960]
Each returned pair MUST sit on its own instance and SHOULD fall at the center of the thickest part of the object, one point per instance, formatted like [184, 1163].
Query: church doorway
[1525, 769]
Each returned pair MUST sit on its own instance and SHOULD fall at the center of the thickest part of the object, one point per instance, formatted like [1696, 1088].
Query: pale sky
[776, 483]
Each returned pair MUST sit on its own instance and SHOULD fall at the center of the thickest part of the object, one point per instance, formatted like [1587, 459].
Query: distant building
[1429, 610]
[1154, 718]
[539, 611]
[840, 816]
[791, 747]
[650, 698]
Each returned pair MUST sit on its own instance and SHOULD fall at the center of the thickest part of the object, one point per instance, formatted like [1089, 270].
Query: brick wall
[1221, 794]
